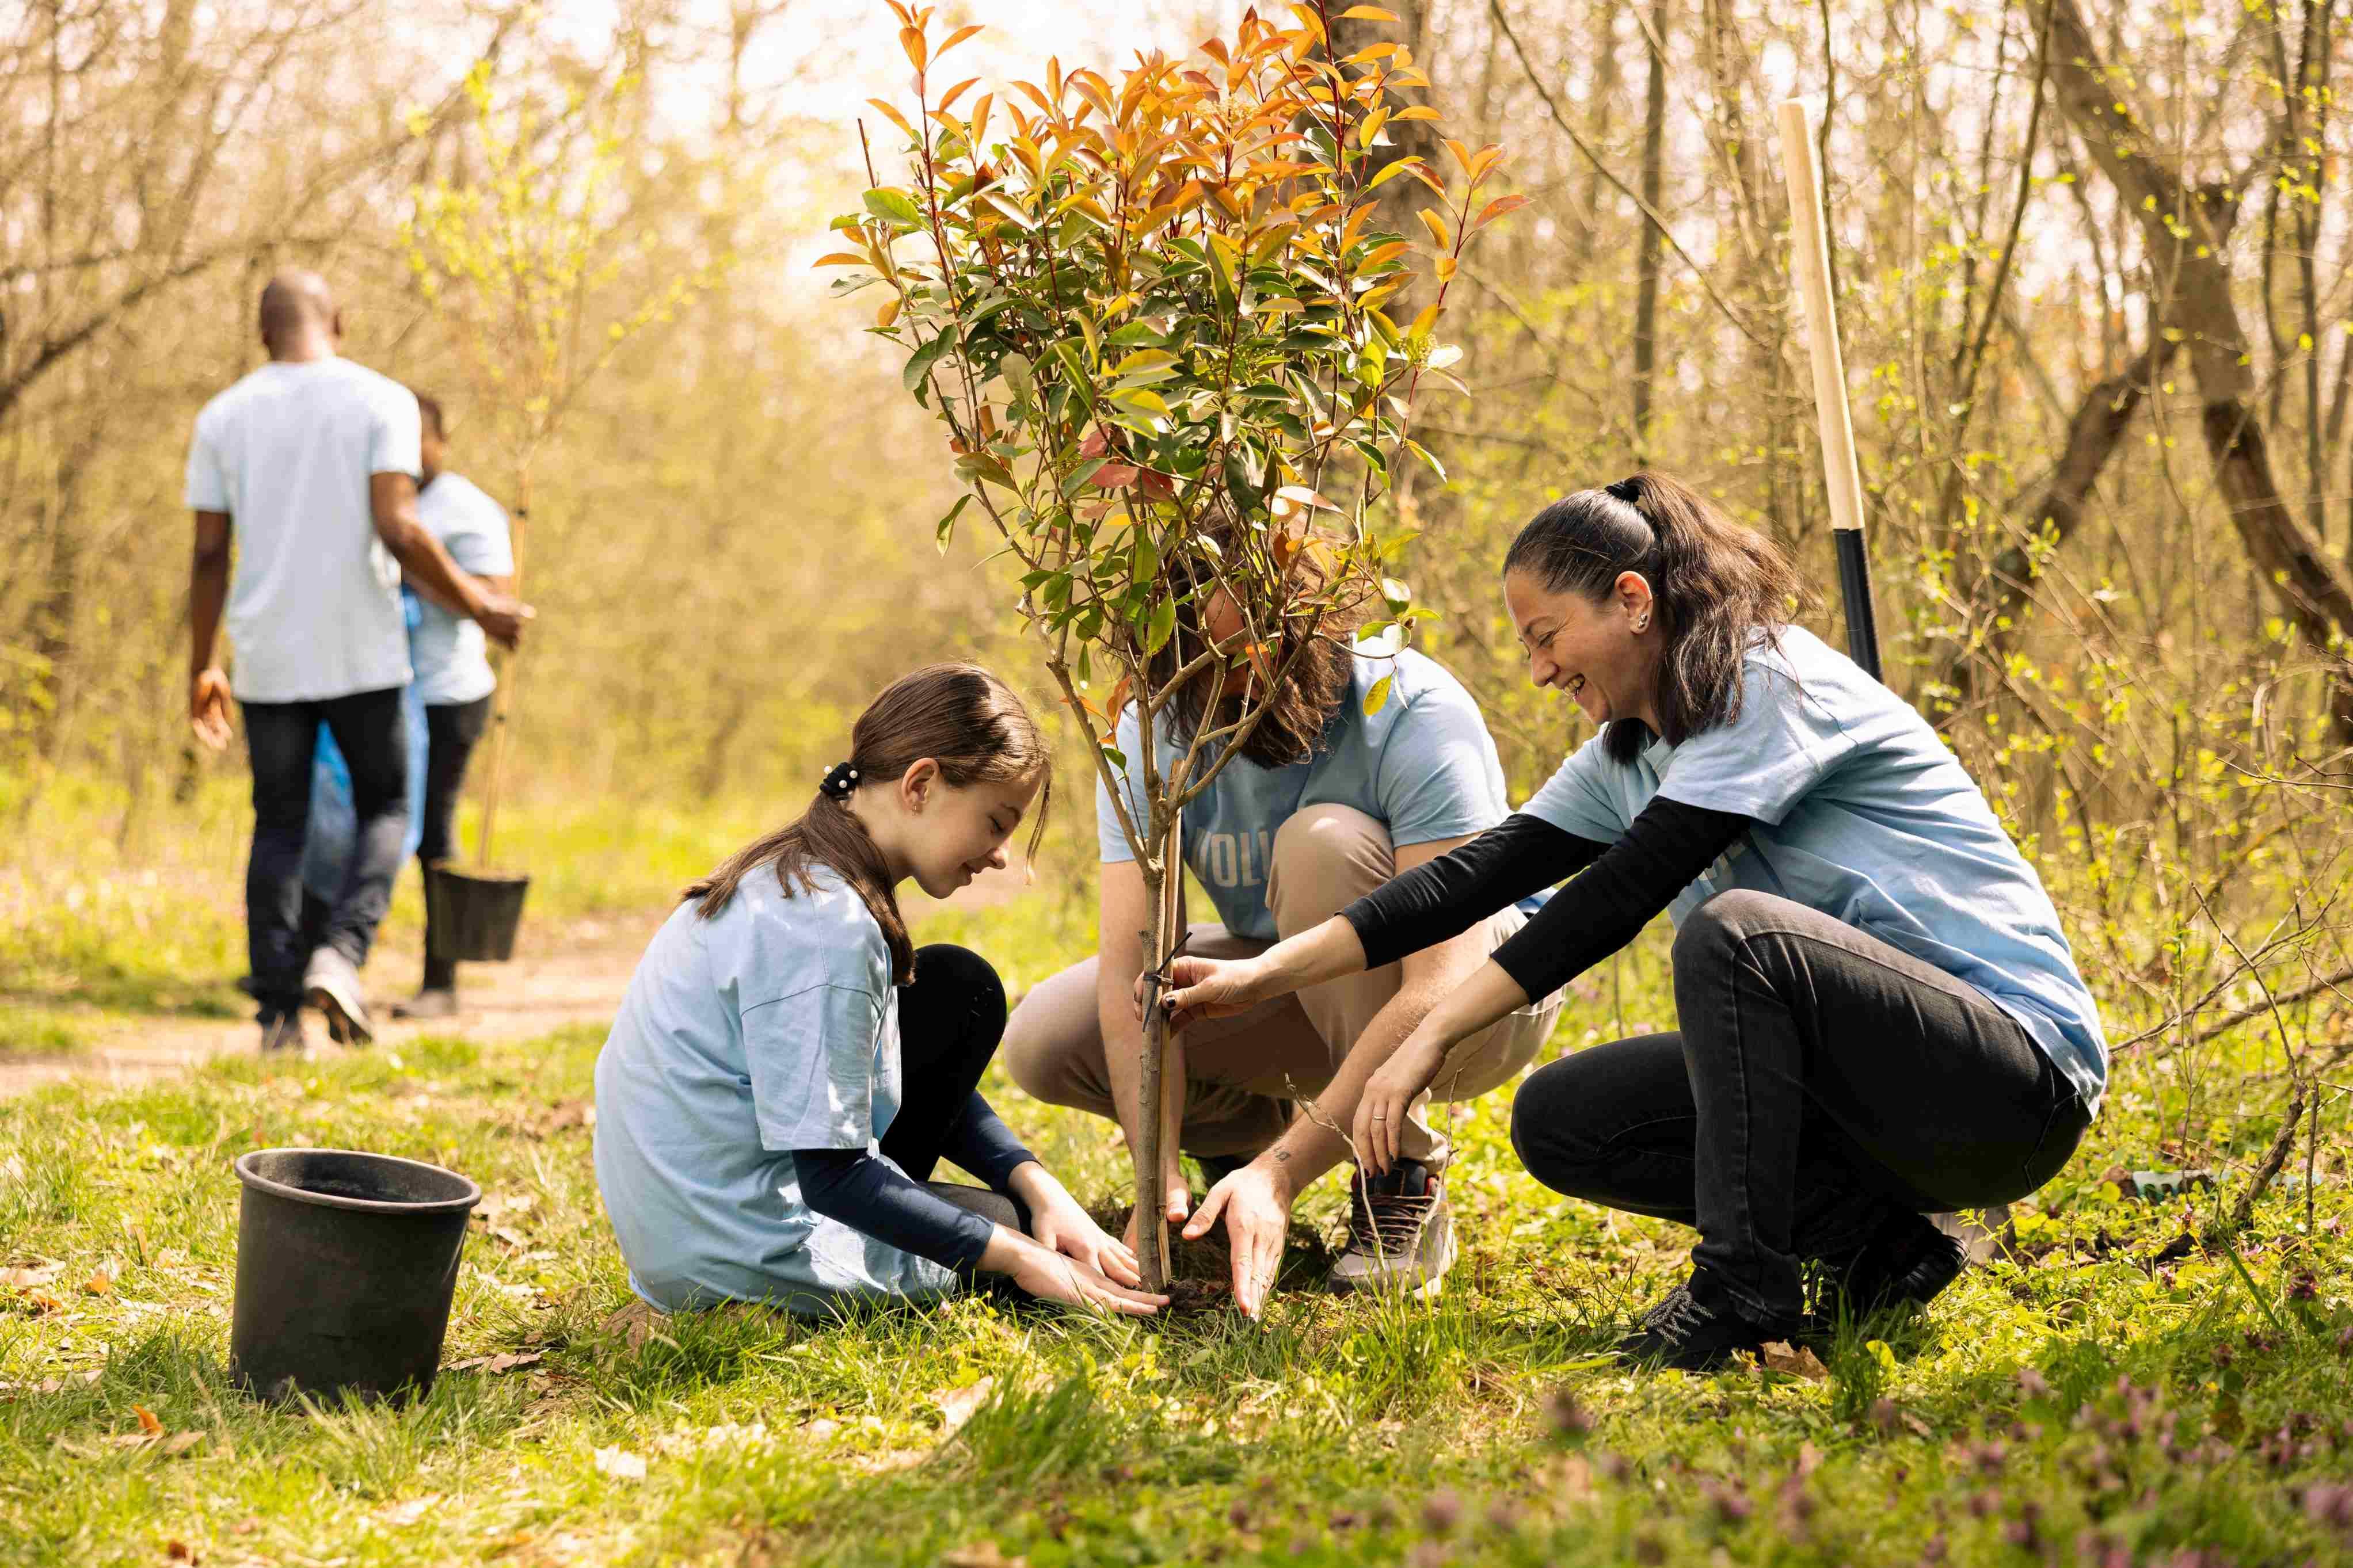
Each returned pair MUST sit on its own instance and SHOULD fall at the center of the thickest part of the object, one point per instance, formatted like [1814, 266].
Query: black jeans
[452, 731]
[1821, 1083]
[281, 739]
[950, 1021]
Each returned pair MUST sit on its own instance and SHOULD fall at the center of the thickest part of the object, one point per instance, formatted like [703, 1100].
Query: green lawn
[2081, 1400]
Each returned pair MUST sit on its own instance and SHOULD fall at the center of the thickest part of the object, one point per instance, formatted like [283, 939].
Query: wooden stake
[1841, 475]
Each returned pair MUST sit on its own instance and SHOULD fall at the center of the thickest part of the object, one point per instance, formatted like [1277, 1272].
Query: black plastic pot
[474, 913]
[345, 1265]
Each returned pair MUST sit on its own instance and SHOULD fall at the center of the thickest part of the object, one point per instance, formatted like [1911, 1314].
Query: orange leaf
[1388, 252]
[893, 116]
[947, 101]
[1483, 160]
[843, 258]
[960, 35]
[1498, 209]
[912, 40]
[1436, 226]
[147, 1421]
[889, 312]
[1367, 14]
[1461, 153]
[1444, 267]
[1419, 112]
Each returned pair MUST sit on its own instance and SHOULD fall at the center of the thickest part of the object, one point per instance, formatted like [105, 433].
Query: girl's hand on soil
[1388, 1098]
[1208, 988]
[1058, 1224]
[1255, 1204]
[1051, 1276]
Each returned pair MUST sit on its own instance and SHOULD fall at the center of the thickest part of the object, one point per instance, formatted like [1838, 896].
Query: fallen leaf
[247, 1525]
[97, 1285]
[147, 1421]
[820, 1429]
[506, 1361]
[1779, 1357]
[51, 1385]
[400, 1515]
[621, 1465]
[41, 1303]
[957, 1405]
[32, 1276]
[179, 1552]
[1919, 1427]
[181, 1442]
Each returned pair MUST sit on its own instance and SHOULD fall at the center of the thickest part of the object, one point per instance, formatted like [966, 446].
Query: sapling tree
[538, 270]
[1150, 311]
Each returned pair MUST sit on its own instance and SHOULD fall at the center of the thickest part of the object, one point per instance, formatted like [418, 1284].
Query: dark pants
[1822, 1083]
[281, 739]
[950, 1021]
[451, 732]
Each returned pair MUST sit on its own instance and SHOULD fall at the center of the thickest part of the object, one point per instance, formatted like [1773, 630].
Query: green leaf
[919, 364]
[895, 208]
[1396, 593]
[1378, 697]
[1160, 627]
[946, 525]
[1435, 466]
[1079, 476]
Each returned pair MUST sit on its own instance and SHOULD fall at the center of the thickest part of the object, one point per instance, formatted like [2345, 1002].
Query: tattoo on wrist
[1283, 1156]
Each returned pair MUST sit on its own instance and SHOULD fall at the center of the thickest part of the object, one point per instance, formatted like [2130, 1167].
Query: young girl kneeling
[786, 1069]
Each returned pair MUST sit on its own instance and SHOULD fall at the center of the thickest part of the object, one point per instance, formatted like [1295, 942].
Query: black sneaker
[1684, 1334]
[1905, 1266]
[1400, 1232]
[283, 1036]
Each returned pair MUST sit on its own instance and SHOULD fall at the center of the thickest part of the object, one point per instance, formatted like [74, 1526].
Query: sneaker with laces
[331, 984]
[1687, 1333]
[1905, 1266]
[1400, 1232]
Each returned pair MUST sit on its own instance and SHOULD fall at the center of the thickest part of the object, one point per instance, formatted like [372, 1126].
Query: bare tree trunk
[2093, 437]
[2314, 590]
[1646, 287]
[1160, 1093]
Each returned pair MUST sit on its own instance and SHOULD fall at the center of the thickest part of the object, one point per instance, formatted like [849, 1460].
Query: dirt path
[572, 974]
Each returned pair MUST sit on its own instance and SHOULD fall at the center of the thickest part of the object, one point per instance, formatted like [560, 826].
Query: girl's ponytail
[958, 715]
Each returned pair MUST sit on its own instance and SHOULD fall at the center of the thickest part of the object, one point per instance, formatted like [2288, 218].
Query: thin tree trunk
[1158, 1090]
[2093, 437]
[1646, 288]
[2314, 590]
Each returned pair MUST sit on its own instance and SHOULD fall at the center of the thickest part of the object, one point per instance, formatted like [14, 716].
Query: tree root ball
[1202, 1272]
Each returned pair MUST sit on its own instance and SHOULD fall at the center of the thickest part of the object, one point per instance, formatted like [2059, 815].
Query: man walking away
[453, 673]
[308, 465]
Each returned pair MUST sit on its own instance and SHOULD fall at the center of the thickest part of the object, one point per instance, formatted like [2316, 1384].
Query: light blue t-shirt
[448, 652]
[770, 1027]
[1863, 814]
[1424, 764]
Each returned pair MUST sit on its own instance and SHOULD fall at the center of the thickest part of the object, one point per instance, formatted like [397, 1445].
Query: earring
[1644, 624]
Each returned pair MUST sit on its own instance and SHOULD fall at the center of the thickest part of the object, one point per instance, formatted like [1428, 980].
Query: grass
[2094, 1397]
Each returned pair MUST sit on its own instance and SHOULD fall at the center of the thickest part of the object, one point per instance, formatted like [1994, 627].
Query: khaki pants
[1241, 1072]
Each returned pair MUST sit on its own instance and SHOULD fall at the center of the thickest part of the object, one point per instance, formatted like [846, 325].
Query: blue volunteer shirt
[1424, 764]
[770, 1027]
[1863, 814]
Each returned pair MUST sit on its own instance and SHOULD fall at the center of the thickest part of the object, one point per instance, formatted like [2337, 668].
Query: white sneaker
[1401, 1232]
[331, 984]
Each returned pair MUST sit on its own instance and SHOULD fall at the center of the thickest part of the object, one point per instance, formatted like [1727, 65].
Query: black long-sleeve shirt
[875, 1198]
[1619, 889]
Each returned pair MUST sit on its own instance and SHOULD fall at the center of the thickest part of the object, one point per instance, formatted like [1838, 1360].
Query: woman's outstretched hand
[1207, 988]
[1388, 1099]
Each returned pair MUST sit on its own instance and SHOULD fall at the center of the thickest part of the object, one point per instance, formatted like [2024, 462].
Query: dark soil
[1203, 1271]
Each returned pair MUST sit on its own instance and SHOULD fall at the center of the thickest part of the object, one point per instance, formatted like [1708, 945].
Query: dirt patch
[573, 974]
[1203, 1271]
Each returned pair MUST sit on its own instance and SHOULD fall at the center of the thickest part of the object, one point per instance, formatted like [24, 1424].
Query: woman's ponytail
[1716, 587]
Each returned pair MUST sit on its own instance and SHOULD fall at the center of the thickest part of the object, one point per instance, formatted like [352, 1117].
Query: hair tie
[1628, 490]
[838, 781]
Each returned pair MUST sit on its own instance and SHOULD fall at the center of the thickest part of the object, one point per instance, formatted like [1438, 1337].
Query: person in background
[453, 675]
[303, 479]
